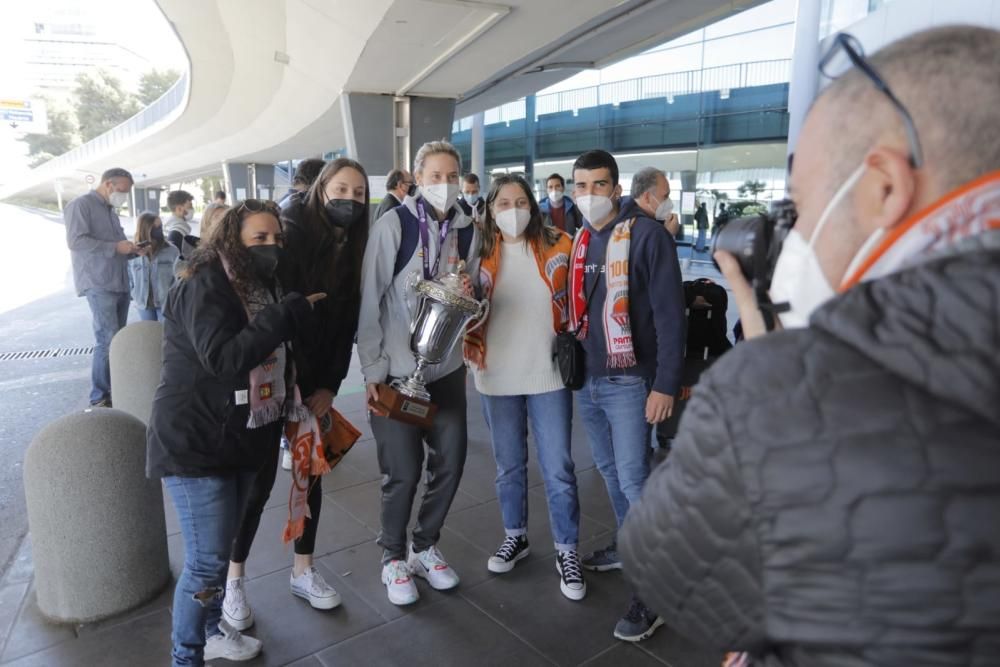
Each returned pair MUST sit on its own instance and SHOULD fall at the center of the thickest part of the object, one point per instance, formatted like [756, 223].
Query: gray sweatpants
[401, 461]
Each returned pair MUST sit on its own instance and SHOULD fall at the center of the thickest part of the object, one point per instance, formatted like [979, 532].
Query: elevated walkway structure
[270, 81]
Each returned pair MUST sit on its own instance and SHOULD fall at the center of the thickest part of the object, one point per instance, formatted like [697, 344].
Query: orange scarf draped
[553, 267]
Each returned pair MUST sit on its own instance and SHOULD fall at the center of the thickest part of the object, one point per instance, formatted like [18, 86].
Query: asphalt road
[39, 310]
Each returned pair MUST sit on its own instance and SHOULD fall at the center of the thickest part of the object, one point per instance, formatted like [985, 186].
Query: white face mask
[664, 210]
[117, 199]
[470, 198]
[594, 207]
[440, 195]
[798, 276]
[513, 221]
[555, 196]
[189, 215]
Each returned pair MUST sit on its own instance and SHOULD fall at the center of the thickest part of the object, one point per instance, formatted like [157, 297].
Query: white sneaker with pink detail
[431, 565]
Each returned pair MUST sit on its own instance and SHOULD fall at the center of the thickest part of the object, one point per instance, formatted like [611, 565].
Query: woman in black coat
[226, 382]
[326, 228]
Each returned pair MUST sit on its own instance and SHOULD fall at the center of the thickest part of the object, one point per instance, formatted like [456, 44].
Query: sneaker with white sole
[571, 581]
[431, 565]
[638, 623]
[513, 549]
[603, 560]
[231, 644]
[311, 586]
[235, 607]
[398, 583]
[286, 458]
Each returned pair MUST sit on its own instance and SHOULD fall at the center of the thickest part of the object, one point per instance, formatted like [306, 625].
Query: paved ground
[489, 619]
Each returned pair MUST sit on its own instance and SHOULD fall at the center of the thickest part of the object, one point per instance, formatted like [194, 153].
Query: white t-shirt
[519, 338]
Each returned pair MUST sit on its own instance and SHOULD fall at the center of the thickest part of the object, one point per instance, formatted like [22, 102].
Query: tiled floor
[517, 618]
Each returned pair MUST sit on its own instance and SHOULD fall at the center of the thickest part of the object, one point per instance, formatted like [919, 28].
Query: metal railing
[722, 79]
[162, 109]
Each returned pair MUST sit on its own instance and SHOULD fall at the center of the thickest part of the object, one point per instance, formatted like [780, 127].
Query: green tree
[60, 138]
[752, 188]
[154, 83]
[101, 103]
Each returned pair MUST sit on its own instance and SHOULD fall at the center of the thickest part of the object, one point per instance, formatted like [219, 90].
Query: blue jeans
[110, 312]
[150, 314]
[209, 511]
[551, 417]
[613, 410]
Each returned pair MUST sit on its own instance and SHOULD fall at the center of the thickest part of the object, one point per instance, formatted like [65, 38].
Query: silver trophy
[439, 323]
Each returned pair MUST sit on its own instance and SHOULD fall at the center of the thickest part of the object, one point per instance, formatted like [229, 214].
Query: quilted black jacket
[833, 495]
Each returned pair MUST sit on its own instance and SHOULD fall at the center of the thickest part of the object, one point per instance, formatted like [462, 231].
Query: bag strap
[410, 235]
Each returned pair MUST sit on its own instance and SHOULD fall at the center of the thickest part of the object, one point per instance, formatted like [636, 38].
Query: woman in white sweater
[523, 272]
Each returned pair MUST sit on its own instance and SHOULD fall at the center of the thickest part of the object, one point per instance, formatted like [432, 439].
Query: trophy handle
[410, 284]
[481, 319]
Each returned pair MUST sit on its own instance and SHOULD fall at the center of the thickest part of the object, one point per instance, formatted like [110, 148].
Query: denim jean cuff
[567, 547]
[515, 532]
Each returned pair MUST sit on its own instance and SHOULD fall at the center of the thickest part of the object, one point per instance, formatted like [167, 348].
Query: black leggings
[260, 491]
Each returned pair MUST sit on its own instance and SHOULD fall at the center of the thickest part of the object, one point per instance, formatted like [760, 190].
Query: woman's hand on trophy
[372, 389]
[467, 284]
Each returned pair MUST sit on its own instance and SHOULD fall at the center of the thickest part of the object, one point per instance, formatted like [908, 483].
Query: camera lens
[748, 240]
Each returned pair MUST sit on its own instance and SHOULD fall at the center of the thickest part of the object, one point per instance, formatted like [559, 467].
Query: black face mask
[265, 260]
[343, 212]
[156, 234]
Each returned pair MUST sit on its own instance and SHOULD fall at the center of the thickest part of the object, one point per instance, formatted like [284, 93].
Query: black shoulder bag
[569, 351]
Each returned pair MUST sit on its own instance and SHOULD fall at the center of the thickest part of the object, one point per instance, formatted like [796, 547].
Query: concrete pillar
[245, 180]
[136, 356]
[384, 132]
[689, 183]
[530, 133]
[98, 533]
[478, 166]
[805, 60]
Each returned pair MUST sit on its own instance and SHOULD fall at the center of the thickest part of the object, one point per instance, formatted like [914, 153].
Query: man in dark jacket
[557, 209]
[628, 307]
[832, 497]
[397, 184]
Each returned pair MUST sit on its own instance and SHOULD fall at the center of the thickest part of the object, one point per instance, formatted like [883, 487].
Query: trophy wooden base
[397, 405]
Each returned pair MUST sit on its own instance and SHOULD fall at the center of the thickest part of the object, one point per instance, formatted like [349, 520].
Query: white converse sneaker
[311, 586]
[430, 565]
[235, 608]
[571, 581]
[231, 645]
[399, 584]
[286, 458]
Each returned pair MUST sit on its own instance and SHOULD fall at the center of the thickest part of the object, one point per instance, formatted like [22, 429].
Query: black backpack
[706, 303]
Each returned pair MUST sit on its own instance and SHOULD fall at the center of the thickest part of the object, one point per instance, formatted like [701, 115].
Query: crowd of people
[831, 495]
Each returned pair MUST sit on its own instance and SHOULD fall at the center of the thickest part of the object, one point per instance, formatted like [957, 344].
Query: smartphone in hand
[144, 244]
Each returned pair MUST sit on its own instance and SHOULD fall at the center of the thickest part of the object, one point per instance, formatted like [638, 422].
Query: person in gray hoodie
[428, 235]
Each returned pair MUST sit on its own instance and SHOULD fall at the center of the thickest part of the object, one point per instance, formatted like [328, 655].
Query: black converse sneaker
[512, 550]
[571, 581]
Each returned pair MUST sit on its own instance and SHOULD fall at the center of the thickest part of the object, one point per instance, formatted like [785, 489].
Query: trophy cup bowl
[439, 323]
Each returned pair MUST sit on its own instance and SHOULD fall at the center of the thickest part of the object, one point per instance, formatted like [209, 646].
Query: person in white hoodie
[428, 235]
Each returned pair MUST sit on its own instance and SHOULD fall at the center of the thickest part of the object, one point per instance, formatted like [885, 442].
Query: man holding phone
[100, 254]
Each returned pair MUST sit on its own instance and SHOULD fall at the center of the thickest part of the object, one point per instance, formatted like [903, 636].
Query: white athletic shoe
[430, 565]
[286, 459]
[235, 607]
[231, 645]
[399, 584]
[311, 586]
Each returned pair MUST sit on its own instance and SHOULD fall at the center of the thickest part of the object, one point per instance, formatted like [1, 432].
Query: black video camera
[755, 241]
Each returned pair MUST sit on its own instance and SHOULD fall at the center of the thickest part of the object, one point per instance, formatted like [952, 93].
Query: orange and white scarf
[617, 325]
[972, 209]
[553, 266]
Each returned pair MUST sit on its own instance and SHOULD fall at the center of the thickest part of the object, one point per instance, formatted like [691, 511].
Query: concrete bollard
[97, 528]
[136, 357]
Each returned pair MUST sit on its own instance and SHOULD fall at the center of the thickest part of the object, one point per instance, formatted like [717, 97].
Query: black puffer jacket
[209, 349]
[833, 495]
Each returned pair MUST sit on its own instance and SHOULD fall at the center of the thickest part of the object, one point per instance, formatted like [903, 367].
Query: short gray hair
[435, 148]
[645, 180]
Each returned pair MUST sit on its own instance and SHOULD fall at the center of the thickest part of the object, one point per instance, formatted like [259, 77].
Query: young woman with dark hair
[227, 383]
[523, 272]
[326, 228]
[152, 272]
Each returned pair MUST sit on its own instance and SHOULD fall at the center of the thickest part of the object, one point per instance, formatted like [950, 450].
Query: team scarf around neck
[553, 267]
[972, 209]
[617, 327]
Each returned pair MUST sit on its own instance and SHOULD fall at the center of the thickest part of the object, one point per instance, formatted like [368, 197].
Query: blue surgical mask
[471, 199]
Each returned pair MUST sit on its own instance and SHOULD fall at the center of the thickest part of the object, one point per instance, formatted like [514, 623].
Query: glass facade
[710, 109]
[838, 14]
